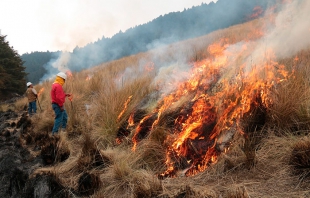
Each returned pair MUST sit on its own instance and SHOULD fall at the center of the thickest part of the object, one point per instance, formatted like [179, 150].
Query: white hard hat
[28, 84]
[62, 75]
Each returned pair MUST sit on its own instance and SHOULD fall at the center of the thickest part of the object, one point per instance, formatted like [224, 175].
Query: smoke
[289, 34]
[56, 65]
[170, 77]
[164, 30]
[285, 37]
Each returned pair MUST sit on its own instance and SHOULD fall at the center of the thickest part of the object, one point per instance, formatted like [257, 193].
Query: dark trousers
[61, 118]
[32, 108]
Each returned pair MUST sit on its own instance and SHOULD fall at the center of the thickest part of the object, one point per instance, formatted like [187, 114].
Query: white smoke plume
[57, 65]
[289, 34]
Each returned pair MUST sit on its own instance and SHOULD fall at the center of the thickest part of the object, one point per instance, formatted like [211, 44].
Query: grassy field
[205, 117]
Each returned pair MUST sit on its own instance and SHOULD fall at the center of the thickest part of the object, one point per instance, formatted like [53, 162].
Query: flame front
[125, 108]
[207, 109]
[41, 91]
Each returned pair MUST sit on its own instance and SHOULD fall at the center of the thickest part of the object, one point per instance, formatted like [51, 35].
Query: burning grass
[229, 129]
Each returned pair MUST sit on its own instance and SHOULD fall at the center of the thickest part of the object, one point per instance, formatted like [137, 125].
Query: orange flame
[89, 76]
[131, 120]
[70, 97]
[125, 107]
[296, 59]
[69, 74]
[222, 90]
[149, 67]
[257, 12]
[41, 91]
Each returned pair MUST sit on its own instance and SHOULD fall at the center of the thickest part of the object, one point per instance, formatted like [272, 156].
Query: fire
[88, 77]
[69, 74]
[125, 107]
[208, 109]
[296, 59]
[41, 91]
[257, 12]
[131, 121]
[149, 67]
[70, 97]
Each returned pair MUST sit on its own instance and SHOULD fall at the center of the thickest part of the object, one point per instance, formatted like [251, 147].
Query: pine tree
[12, 71]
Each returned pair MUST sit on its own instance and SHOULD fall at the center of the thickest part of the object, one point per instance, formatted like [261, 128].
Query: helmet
[28, 84]
[62, 75]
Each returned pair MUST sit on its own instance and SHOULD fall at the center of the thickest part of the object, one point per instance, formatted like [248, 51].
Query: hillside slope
[222, 115]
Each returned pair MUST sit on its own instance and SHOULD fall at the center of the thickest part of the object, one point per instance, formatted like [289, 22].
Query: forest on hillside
[167, 29]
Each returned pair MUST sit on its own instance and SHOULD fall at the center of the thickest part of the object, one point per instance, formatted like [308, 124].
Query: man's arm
[35, 92]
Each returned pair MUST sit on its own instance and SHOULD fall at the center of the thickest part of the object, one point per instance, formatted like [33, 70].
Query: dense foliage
[12, 71]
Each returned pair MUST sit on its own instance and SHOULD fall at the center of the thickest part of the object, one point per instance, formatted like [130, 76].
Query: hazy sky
[41, 25]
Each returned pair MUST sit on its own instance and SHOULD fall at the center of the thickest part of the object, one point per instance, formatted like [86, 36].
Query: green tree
[12, 71]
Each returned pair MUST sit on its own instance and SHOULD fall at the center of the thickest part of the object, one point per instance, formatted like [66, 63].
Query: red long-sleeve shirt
[57, 94]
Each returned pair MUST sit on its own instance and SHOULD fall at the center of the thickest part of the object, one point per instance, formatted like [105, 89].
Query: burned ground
[17, 162]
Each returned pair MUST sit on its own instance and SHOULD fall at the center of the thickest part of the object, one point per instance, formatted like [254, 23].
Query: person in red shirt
[58, 97]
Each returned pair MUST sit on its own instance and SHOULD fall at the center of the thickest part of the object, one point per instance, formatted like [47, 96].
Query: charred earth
[18, 160]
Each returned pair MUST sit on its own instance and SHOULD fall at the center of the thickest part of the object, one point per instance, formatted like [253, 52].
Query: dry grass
[5, 107]
[21, 105]
[300, 158]
[258, 164]
[124, 179]
[291, 99]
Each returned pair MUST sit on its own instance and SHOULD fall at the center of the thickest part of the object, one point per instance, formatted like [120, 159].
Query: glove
[62, 108]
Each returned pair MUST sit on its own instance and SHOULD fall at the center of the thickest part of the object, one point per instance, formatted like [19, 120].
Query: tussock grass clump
[43, 122]
[90, 156]
[300, 158]
[150, 155]
[125, 177]
[108, 103]
[21, 104]
[54, 149]
[48, 151]
[236, 192]
[63, 150]
[189, 192]
[183, 187]
[291, 100]
[254, 132]
[40, 138]
[88, 183]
